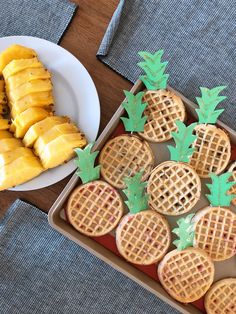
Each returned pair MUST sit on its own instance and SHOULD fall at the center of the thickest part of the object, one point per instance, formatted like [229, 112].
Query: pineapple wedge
[28, 88]
[4, 124]
[15, 52]
[5, 134]
[9, 144]
[16, 66]
[23, 121]
[61, 149]
[52, 134]
[9, 156]
[39, 128]
[26, 75]
[41, 99]
[19, 171]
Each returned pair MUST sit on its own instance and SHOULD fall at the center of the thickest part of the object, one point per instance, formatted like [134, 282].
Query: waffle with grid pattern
[174, 188]
[215, 232]
[143, 238]
[163, 109]
[122, 157]
[94, 208]
[186, 275]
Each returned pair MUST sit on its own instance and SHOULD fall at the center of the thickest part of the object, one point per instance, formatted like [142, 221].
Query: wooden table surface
[82, 39]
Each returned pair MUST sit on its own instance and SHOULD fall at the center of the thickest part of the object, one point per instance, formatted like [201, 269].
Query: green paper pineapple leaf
[155, 77]
[85, 163]
[185, 232]
[207, 112]
[219, 189]
[135, 193]
[134, 108]
[183, 138]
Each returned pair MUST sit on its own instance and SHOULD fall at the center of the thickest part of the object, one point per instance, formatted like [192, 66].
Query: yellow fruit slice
[5, 134]
[19, 171]
[23, 121]
[39, 128]
[4, 124]
[52, 134]
[15, 52]
[16, 66]
[61, 149]
[9, 144]
[41, 99]
[9, 156]
[28, 88]
[26, 75]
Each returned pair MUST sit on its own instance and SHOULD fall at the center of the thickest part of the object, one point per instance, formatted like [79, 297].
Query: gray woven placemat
[46, 19]
[41, 272]
[198, 37]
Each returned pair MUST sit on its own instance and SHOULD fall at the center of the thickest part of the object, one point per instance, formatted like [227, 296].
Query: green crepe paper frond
[85, 163]
[207, 112]
[185, 232]
[183, 138]
[154, 69]
[219, 189]
[137, 199]
[134, 108]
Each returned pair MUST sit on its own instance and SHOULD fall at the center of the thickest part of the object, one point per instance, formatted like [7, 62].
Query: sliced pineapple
[39, 128]
[5, 134]
[9, 156]
[15, 52]
[41, 99]
[61, 149]
[52, 134]
[23, 121]
[28, 88]
[16, 66]
[4, 124]
[9, 144]
[19, 171]
[26, 75]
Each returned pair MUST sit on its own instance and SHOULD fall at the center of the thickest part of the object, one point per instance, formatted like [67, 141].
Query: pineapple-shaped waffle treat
[163, 106]
[221, 297]
[174, 186]
[94, 208]
[143, 236]
[124, 155]
[212, 146]
[232, 169]
[186, 273]
[215, 226]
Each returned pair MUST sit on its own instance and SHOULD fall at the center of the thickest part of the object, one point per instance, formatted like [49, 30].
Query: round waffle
[122, 157]
[221, 298]
[173, 188]
[215, 232]
[163, 109]
[232, 169]
[94, 208]
[212, 150]
[186, 275]
[143, 238]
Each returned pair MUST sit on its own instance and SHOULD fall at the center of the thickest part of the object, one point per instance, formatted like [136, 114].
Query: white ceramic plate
[75, 96]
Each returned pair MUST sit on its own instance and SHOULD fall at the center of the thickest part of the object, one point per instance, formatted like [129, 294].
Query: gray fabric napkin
[41, 271]
[198, 37]
[46, 19]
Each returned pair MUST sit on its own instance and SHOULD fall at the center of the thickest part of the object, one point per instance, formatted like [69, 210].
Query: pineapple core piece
[15, 52]
[9, 156]
[26, 119]
[19, 171]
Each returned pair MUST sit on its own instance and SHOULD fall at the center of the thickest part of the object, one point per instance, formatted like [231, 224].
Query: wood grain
[82, 39]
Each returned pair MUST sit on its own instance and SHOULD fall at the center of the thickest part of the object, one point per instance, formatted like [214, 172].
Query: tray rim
[97, 249]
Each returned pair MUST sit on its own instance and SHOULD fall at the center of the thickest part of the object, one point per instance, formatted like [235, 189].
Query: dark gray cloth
[46, 19]
[198, 36]
[41, 271]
